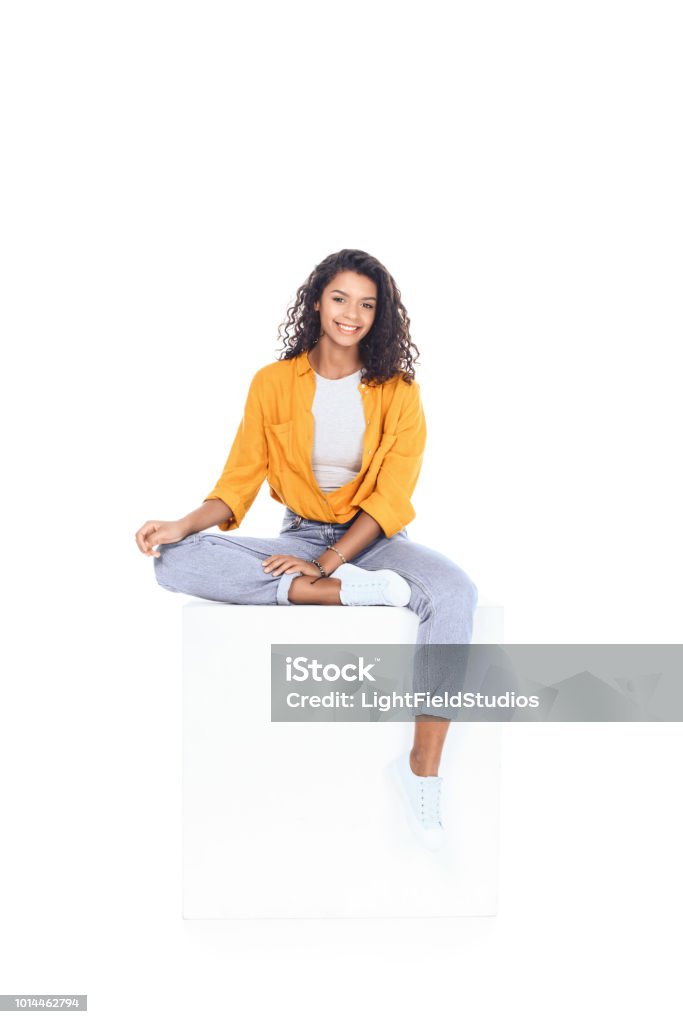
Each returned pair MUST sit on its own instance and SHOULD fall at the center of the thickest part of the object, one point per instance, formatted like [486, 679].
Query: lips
[346, 329]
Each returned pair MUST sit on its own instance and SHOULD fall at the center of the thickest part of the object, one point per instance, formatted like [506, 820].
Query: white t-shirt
[339, 430]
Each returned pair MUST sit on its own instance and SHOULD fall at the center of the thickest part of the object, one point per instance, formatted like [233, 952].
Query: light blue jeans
[228, 568]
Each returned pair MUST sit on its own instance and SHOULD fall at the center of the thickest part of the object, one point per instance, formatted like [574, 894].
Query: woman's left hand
[277, 564]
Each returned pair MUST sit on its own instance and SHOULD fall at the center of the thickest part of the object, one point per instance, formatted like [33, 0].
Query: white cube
[300, 819]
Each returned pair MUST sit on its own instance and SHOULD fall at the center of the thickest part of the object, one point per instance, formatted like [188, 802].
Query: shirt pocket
[279, 441]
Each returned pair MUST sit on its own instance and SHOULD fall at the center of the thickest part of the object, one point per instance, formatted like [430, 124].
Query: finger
[294, 565]
[274, 562]
[142, 534]
[154, 538]
[154, 528]
[304, 569]
[282, 566]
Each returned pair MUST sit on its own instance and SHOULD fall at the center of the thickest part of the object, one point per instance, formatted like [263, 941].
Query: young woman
[337, 428]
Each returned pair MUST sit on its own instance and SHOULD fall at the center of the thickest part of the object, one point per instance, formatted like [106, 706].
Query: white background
[171, 173]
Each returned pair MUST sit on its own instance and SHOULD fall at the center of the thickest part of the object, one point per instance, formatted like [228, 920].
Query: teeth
[344, 327]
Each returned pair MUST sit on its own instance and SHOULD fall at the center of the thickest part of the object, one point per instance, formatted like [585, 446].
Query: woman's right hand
[155, 531]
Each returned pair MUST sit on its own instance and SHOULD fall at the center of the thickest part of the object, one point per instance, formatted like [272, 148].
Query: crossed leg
[228, 569]
[442, 596]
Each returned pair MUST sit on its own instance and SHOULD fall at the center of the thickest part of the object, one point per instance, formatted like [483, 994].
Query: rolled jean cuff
[283, 586]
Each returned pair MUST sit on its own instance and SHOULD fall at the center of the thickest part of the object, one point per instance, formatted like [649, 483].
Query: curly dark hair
[386, 348]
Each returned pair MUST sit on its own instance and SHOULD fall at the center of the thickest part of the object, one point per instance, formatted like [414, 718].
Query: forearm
[211, 513]
[358, 536]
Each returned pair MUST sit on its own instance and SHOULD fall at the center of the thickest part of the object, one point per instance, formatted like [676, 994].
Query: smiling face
[347, 308]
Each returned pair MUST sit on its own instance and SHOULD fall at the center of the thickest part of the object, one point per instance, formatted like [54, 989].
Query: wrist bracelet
[331, 547]
[316, 562]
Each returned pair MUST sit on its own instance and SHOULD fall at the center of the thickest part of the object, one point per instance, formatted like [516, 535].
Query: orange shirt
[274, 441]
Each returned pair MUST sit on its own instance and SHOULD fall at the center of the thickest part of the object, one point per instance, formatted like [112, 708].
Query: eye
[368, 305]
[337, 298]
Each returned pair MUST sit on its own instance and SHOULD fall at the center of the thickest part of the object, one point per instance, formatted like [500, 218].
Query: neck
[333, 361]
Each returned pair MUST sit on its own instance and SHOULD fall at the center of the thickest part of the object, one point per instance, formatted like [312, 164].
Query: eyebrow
[373, 298]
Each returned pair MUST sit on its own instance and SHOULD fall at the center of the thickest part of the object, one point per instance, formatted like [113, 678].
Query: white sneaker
[366, 586]
[421, 797]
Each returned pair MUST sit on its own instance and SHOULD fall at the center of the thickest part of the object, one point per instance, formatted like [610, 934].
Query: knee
[459, 590]
[168, 565]
[161, 571]
[472, 591]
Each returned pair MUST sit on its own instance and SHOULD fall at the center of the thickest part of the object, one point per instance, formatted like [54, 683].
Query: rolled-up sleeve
[247, 463]
[390, 504]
